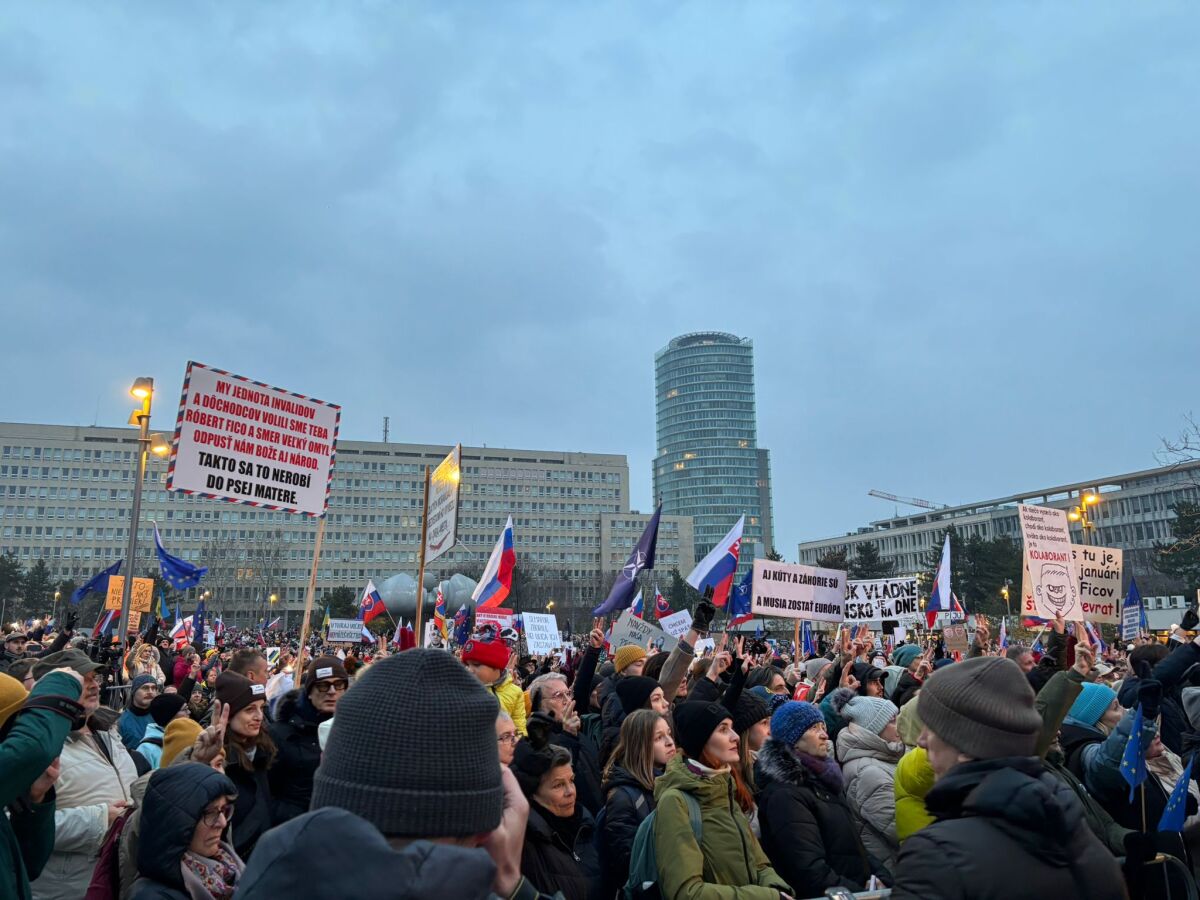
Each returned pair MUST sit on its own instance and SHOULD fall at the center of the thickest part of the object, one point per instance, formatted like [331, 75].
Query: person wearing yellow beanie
[12, 695]
[178, 736]
[629, 660]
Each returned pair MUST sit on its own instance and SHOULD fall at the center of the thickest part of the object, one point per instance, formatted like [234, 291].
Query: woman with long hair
[641, 756]
[249, 752]
[704, 779]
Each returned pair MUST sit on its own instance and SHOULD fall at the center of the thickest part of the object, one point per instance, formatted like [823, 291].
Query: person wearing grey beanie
[997, 809]
[135, 718]
[869, 748]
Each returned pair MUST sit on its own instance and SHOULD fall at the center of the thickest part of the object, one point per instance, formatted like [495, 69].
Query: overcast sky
[962, 236]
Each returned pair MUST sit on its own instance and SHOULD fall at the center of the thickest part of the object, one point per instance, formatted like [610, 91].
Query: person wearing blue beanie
[1092, 705]
[793, 719]
[903, 655]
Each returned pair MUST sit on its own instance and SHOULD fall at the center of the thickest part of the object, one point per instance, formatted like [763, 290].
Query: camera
[758, 647]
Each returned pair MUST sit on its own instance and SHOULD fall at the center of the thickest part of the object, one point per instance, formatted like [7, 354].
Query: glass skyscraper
[708, 463]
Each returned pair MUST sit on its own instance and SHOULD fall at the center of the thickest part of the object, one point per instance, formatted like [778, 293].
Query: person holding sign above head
[999, 813]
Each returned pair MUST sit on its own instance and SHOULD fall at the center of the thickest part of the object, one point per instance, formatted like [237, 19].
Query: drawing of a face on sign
[1055, 590]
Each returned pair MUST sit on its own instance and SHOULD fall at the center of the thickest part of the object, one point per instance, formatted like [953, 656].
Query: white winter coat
[87, 784]
[869, 768]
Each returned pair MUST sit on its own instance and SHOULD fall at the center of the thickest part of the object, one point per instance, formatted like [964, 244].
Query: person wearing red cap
[487, 660]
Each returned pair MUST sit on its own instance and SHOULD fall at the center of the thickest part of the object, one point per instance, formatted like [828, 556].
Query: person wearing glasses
[550, 697]
[294, 731]
[506, 737]
[184, 852]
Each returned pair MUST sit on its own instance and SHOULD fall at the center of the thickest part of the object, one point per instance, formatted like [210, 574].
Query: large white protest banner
[629, 629]
[345, 631]
[878, 599]
[541, 633]
[1051, 578]
[441, 511]
[676, 624]
[798, 592]
[248, 442]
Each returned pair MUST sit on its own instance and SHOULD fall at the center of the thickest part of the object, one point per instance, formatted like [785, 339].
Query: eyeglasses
[509, 737]
[328, 687]
[214, 817]
[558, 695]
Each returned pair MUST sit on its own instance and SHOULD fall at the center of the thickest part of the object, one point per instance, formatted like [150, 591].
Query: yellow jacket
[914, 778]
[512, 701]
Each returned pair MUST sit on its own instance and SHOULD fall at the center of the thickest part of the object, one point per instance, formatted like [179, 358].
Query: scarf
[211, 879]
[826, 770]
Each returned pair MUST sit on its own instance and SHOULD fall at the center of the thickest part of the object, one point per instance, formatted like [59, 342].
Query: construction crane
[907, 501]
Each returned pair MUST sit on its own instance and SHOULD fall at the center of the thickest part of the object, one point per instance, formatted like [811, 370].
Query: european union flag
[179, 573]
[806, 639]
[198, 627]
[1133, 761]
[1176, 809]
[98, 582]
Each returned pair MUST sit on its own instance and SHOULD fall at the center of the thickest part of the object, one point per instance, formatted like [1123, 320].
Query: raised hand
[210, 745]
[848, 680]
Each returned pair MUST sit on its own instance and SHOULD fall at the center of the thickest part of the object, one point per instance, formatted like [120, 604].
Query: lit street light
[1082, 515]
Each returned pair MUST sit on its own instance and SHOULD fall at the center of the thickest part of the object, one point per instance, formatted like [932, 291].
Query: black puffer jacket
[175, 799]
[1169, 673]
[585, 762]
[252, 812]
[906, 689]
[627, 806]
[1005, 825]
[1054, 659]
[808, 831]
[554, 864]
[294, 732]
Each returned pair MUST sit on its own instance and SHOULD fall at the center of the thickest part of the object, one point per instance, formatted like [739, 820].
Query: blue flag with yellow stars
[1133, 760]
[1176, 808]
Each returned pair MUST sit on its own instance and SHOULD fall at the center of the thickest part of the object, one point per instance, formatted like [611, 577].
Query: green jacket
[728, 864]
[33, 742]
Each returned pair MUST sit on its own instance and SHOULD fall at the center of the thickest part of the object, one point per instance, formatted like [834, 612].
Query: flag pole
[796, 640]
[308, 599]
[420, 598]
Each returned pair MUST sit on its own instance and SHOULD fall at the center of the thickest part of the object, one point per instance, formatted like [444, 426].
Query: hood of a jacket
[175, 798]
[777, 763]
[1018, 796]
[153, 730]
[347, 856]
[855, 742]
[1191, 706]
[620, 777]
[293, 707]
[709, 791]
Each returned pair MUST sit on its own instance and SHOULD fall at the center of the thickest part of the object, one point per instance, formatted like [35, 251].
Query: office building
[65, 496]
[708, 464]
[1133, 513]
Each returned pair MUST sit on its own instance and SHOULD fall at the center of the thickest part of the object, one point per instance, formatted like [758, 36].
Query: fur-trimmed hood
[776, 762]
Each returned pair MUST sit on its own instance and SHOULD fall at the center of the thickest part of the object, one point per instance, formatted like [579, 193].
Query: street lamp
[550, 605]
[1082, 515]
[54, 612]
[143, 389]
[1004, 594]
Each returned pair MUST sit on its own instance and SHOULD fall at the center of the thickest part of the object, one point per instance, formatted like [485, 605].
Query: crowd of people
[597, 773]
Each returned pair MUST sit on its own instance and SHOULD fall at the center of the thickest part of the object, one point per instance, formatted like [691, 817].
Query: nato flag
[642, 557]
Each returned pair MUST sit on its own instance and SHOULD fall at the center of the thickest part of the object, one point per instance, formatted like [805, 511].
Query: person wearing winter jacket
[294, 734]
[809, 831]
[999, 813]
[1054, 659]
[249, 754]
[551, 698]
[135, 718]
[28, 771]
[860, 677]
[727, 854]
[559, 852]
[642, 753]
[184, 851]
[487, 660]
[163, 709]
[96, 772]
[868, 749]
[145, 661]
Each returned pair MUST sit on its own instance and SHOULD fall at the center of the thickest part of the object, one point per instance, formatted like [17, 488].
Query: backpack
[643, 861]
[106, 877]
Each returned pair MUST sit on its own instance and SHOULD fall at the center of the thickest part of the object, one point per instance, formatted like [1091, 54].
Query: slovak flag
[1003, 639]
[439, 614]
[182, 632]
[718, 568]
[939, 594]
[371, 604]
[661, 606]
[274, 623]
[105, 623]
[496, 580]
[637, 605]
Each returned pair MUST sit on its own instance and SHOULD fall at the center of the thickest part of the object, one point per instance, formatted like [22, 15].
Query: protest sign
[433, 637]
[441, 509]
[676, 624]
[272, 655]
[541, 633]
[141, 595]
[247, 442]
[629, 629]
[1131, 617]
[496, 617]
[955, 637]
[345, 631]
[1052, 581]
[883, 598]
[705, 645]
[1099, 571]
[798, 592]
